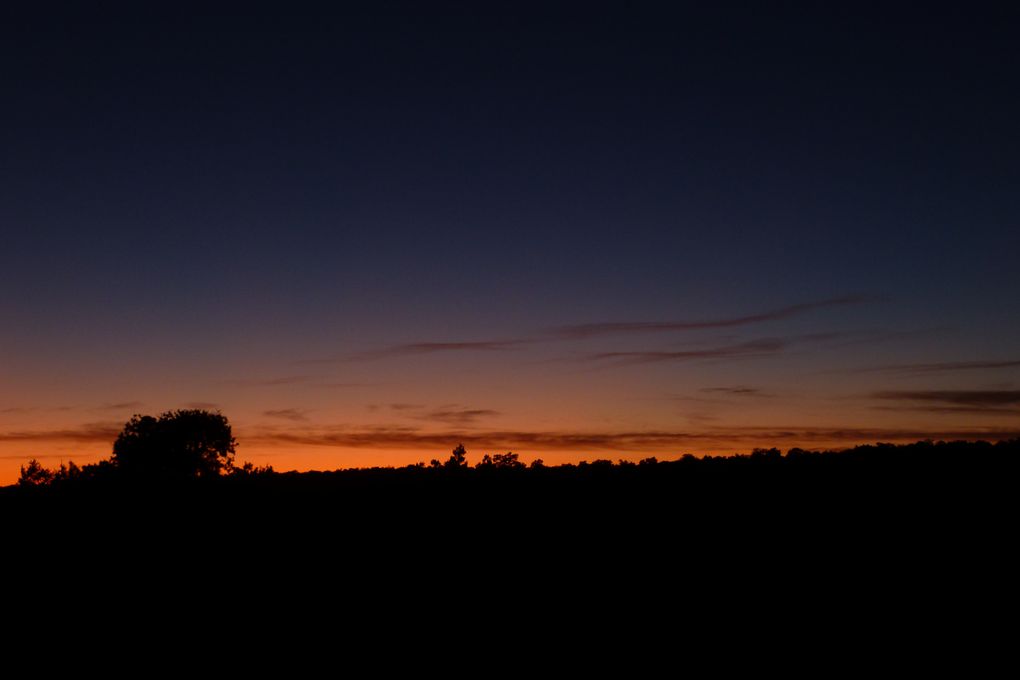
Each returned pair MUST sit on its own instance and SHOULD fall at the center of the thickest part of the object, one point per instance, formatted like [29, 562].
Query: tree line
[199, 445]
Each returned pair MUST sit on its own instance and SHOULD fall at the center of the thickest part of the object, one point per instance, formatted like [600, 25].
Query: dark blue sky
[236, 191]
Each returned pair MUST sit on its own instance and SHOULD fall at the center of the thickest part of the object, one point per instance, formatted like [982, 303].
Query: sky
[590, 230]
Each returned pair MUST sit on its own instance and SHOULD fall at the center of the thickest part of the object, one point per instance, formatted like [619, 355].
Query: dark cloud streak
[941, 367]
[270, 382]
[737, 391]
[88, 433]
[450, 414]
[292, 414]
[458, 416]
[955, 397]
[404, 437]
[421, 348]
[51, 456]
[120, 406]
[754, 348]
[601, 329]
[965, 410]
[621, 441]
[590, 330]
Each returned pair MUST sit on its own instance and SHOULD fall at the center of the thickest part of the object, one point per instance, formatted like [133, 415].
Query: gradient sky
[571, 230]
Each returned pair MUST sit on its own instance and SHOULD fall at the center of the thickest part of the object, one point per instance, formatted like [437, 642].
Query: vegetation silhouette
[763, 523]
[194, 450]
[175, 447]
[178, 444]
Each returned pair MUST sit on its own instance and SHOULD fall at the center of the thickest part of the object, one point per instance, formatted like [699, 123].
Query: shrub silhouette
[178, 444]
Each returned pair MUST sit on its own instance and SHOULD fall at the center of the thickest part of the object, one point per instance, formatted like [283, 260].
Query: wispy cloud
[754, 348]
[419, 348]
[954, 410]
[22, 410]
[89, 433]
[941, 367]
[309, 381]
[594, 330]
[405, 407]
[719, 438]
[269, 382]
[605, 328]
[120, 406]
[954, 397]
[78, 456]
[735, 391]
[458, 416]
[450, 414]
[292, 414]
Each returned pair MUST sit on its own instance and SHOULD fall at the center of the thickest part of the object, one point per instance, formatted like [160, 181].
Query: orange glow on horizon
[285, 457]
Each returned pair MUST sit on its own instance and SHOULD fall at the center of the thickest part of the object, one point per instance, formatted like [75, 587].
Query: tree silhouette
[458, 459]
[500, 461]
[34, 474]
[178, 444]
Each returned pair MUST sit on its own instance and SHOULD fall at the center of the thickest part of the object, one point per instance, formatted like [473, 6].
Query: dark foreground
[852, 550]
[942, 493]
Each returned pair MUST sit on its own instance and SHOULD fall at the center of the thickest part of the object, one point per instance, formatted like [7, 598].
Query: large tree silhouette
[178, 444]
